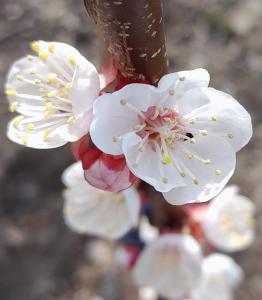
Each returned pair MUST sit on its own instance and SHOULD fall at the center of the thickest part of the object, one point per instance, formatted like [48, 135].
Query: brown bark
[134, 35]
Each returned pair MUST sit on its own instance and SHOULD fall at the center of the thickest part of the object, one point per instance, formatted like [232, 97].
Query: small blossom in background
[171, 265]
[180, 137]
[92, 211]
[228, 222]
[53, 93]
[220, 276]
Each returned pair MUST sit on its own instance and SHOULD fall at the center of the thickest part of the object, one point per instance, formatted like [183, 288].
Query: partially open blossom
[229, 221]
[53, 92]
[220, 276]
[92, 211]
[107, 172]
[180, 137]
[171, 265]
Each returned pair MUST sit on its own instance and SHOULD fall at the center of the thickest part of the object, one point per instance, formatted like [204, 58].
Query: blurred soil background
[39, 257]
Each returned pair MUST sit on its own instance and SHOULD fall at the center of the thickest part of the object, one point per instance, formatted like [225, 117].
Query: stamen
[13, 106]
[17, 120]
[165, 179]
[45, 134]
[196, 181]
[123, 102]
[11, 93]
[190, 156]
[167, 159]
[230, 135]
[30, 127]
[43, 56]
[218, 172]
[35, 46]
[72, 60]
[71, 120]
[214, 118]
[20, 77]
[51, 48]
[203, 132]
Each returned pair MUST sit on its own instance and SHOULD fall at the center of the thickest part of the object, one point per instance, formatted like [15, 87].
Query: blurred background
[40, 258]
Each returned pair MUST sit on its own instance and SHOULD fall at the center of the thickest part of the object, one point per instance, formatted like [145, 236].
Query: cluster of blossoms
[180, 137]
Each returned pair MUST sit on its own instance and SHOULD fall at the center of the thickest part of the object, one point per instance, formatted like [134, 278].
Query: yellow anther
[214, 118]
[230, 135]
[31, 71]
[218, 172]
[190, 156]
[165, 179]
[11, 93]
[29, 57]
[51, 48]
[61, 94]
[13, 106]
[25, 139]
[192, 141]
[70, 120]
[72, 60]
[43, 56]
[167, 159]
[192, 121]
[62, 85]
[68, 86]
[51, 94]
[196, 181]
[206, 161]
[37, 81]
[203, 132]
[49, 106]
[183, 174]
[123, 102]
[45, 134]
[35, 46]
[17, 120]
[135, 165]
[51, 78]
[20, 77]
[115, 139]
[171, 92]
[48, 113]
[182, 78]
[30, 127]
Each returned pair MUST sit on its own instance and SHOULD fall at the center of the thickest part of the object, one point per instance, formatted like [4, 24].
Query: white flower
[147, 232]
[53, 92]
[180, 137]
[229, 221]
[220, 276]
[171, 265]
[92, 211]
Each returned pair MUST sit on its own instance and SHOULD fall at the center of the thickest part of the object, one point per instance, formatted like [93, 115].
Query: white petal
[192, 79]
[149, 167]
[222, 161]
[229, 221]
[92, 211]
[230, 119]
[73, 175]
[171, 265]
[147, 232]
[85, 88]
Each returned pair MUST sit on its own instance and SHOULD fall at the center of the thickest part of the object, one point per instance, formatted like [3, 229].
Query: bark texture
[134, 36]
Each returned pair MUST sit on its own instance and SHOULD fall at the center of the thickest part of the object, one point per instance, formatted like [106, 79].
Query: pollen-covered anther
[206, 161]
[45, 134]
[13, 106]
[196, 181]
[51, 94]
[230, 135]
[37, 81]
[140, 149]
[25, 139]
[192, 141]
[51, 48]
[29, 57]
[171, 92]
[218, 172]
[30, 127]
[123, 102]
[115, 138]
[43, 56]
[72, 60]
[183, 174]
[49, 106]
[203, 132]
[192, 121]
[214, 118]
[19, 77]
[190, 155]
[35, 46]
[17, 120]
[51, 78]
[70, 120]
[165, 179]
[11, 92]
[167, 160]
[48, 113]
